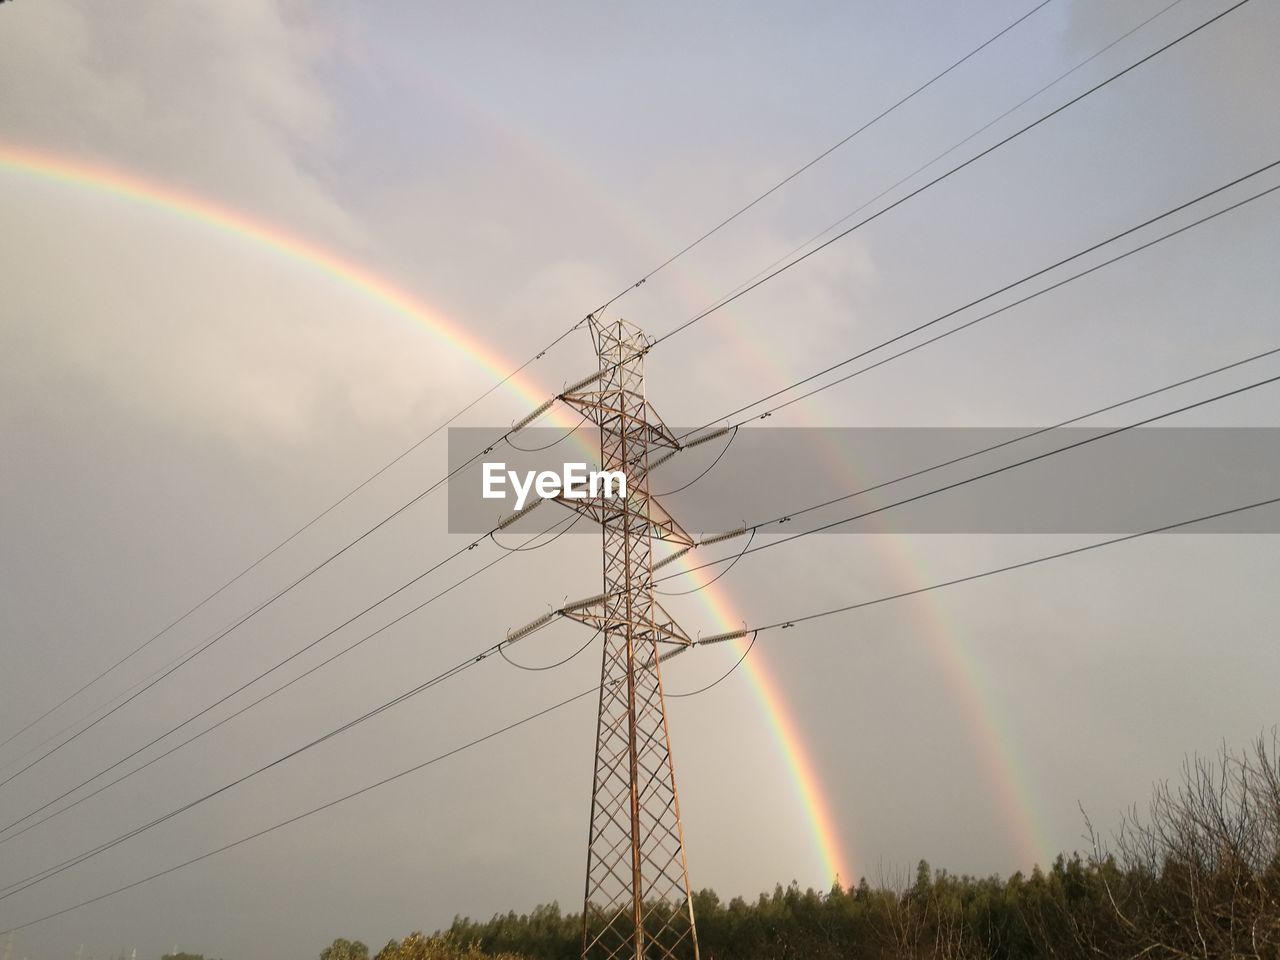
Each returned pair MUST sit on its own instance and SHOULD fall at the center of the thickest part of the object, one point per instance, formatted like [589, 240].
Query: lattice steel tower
[637, 903]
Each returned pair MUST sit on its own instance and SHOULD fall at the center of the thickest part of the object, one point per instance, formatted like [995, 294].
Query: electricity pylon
[637, 903]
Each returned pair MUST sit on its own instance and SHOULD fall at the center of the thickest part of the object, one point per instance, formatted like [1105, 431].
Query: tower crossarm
[658, 625]
[662, 526]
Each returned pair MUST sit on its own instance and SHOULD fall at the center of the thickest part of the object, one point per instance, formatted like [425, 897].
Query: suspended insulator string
[733, 435]
[507, 378]
[594, 690]
[550, 666]
[563, 437]
[665, 336]
[688, 439]
[723, 677]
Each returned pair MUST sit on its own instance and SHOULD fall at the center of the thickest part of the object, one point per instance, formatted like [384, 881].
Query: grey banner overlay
[1132, 481]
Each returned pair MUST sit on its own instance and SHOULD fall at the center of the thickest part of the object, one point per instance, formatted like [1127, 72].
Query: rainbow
[988, 731]
[985, 727]
[836, 857]
[205, 213]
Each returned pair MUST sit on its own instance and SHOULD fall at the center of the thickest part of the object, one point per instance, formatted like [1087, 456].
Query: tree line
[1196, 875]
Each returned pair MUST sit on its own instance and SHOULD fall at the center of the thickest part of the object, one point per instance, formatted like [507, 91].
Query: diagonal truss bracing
[637, 902]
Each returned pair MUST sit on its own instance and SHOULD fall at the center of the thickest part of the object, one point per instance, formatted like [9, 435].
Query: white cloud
[221, 95]
[172, 318]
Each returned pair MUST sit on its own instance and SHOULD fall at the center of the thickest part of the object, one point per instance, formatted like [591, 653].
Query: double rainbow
[833, 853]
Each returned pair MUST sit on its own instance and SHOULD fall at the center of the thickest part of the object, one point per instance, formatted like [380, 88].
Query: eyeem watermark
[573, 482]
[878, 480]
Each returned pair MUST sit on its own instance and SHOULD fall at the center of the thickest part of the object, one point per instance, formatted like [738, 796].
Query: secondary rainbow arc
[987, 728]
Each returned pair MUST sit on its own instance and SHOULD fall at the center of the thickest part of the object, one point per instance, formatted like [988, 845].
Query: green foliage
[1199, 876]
[342, 949]
[1062, 912]
[419, 947]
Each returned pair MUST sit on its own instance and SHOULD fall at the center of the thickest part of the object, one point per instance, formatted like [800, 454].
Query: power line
[733, 435]
[995, 293]
[585, 693]
[973, 479]
[201, 649]
[290, 538]
[314, 810]
[565, 524]
[1092, 413]
[733, 562]
[513, 373]
[724, 676]
[529, 547]
[42, 875]
[549, 666]
[1003, 289]
[670, 333]
[102, 706]
[685, 325]
[730, 427]
[819, 158]
[956, 169]
[266, 603]
[1018, 566]
[959, 143]
[1024, 436]
[1007, 287]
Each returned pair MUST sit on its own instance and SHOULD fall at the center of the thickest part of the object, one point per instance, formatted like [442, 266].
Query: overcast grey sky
[175, 399]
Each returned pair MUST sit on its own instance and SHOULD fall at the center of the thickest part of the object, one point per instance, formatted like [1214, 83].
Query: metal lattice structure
[637, 903]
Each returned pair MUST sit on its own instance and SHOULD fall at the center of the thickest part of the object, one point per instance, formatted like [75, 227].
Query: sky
[177, 397]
